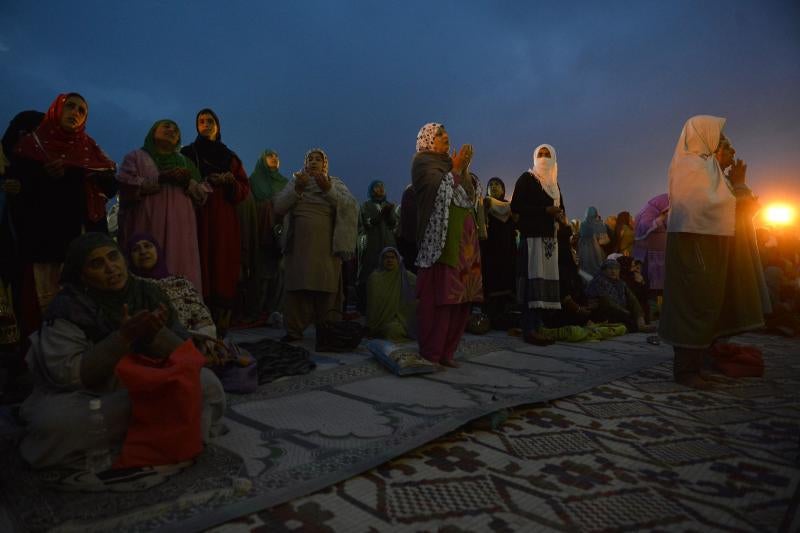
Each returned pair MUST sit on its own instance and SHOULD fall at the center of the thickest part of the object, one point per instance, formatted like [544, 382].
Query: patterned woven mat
[300, 435]
[637, 454]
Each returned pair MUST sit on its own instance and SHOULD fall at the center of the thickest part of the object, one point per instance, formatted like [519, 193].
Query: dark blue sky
[609, 84]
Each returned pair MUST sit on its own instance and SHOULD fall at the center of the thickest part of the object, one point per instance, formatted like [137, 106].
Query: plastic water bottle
[98, 457]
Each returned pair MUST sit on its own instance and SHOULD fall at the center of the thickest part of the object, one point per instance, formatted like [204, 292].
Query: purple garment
[168, 216]
[646, 218]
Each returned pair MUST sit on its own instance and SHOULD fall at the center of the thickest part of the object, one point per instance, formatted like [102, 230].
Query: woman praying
[159, 191]
[65, 180]
[101, 314]
[320, 229]
[376, 224]
[714, 284]
[449, 261]
[218, 229]
[540, 206]
[498, 252]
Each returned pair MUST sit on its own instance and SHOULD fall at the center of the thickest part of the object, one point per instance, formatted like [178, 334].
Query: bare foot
[449, 363]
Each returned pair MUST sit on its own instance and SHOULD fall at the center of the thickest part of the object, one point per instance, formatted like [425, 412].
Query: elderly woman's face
[272, 161]
[543, 152]
[74, 114]
[441, 142]
[105, 269]
[207, 126]
[144, 255]
[390, 261]
[167, 133]
[315, 163]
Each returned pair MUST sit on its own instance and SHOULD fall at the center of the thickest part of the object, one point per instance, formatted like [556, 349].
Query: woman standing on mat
[714, 285]
[538, 202]
[320, 227]
[449, 277]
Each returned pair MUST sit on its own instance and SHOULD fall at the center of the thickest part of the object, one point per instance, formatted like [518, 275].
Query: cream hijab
[700, 196]
[546, 171]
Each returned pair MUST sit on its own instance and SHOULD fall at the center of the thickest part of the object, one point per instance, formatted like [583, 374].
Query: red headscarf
[50, 141]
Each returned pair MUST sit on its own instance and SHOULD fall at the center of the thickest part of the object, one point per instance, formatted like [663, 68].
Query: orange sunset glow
[777, 214]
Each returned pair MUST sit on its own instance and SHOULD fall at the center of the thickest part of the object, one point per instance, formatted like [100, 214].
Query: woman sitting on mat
[391, 304]
[100, 315]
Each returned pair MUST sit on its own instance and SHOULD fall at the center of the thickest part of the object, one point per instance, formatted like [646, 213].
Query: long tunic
[537, 262]
[168, 215]
[498, 253]
[219, 238]
[309, 261]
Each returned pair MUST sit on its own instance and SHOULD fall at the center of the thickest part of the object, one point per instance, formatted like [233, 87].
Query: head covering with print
[50, 141]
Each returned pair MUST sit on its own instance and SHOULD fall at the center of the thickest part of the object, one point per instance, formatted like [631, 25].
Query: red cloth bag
[738, 360]
[166, 408]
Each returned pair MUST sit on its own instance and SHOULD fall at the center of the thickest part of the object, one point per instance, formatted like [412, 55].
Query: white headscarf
[700, 196]
[426, 135]
[546, 171]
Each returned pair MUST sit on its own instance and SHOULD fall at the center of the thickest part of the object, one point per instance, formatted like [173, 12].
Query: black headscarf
[210, 156]
[22, 124]
[97, 312]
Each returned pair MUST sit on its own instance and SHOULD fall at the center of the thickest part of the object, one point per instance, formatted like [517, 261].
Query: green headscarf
[391, 302]
[265, 182]
[98, 312]
[174, 159]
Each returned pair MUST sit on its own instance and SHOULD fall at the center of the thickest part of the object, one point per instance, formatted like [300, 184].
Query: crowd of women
[199, 243]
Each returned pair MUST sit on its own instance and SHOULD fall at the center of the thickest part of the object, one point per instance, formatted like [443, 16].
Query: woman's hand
[323, 182]
[300, 181]
[178, 176]
[738, 173]
[462, 159]
[54, 168]
[143, 326]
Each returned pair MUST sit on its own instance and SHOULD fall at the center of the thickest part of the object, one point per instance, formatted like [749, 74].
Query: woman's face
[105, 269]
[441, 142]
[144, 255]
[315, 163]
[611, 273]
[390, 261]
[378, 191]
[725, 152]
[74, 114]
[496, 190]
[272, 161]
[167, 133]
[207, 126]
[543, 152]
